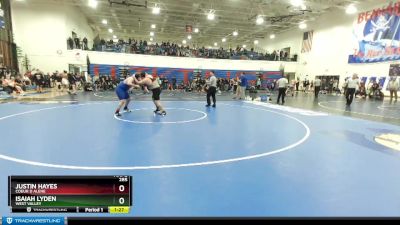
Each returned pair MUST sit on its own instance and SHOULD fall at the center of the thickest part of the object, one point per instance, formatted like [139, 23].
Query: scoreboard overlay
[70, 194]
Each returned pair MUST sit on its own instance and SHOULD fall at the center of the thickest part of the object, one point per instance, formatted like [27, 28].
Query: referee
[352, 85]
[212, 89]
[282, 85]
[317, 87]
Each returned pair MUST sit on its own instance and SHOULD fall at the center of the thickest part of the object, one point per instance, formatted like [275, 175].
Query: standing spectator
[317, 86]
[72, 83]
[352, 85]
[306, 84]
[344, 86]
[282, 86]
[64, 81]
[77, 43]
[258, 83]
[70, 42]
[235, 85]
[297, 84]
[39, 81]
[53, 79]
[241, 91]
[47, 81]
[212, 89]
[293, 87]
[330, 89]
[103, 44]
[393, 88]
[85, 43]
[59, 81]
[174, 83]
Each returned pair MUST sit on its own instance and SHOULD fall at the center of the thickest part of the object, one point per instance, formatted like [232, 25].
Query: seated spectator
[13, 86]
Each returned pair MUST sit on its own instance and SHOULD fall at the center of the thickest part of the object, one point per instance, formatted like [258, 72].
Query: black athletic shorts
[156, 94]
[40, 82]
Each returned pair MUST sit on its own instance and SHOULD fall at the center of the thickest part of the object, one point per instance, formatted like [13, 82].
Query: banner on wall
[2, 20]
[377, 35]
[180, 74]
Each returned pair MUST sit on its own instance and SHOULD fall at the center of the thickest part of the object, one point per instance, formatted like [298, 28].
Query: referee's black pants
[316, 91]
[350, 95]
[211, 93]
[282, 93]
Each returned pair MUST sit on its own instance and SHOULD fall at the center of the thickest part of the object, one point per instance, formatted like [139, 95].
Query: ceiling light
[297, 3]
[153, 26]
[303, 26]
[196, 30]
[189, 37]
[184, 42]
[260, 20]
[151, 39]
[215, 44]
[303, 7]
[223, 39]
[104, 22]
[272, 36]
[211, 15]
[244, 46]
[235, 33]
[351, 9]
[92, 3]
[115, 36]
[256, 42]
[152, 34]
[110, 30]
[156, 9]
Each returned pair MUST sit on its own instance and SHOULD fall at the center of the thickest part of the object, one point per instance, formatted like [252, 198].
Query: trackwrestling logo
[33, 220]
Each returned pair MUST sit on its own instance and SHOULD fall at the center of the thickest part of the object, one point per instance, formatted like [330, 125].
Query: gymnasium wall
[332, 45]
[41, 31]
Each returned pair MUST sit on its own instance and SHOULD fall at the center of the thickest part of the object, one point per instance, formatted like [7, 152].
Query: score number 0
[121, 188]
[121, 200]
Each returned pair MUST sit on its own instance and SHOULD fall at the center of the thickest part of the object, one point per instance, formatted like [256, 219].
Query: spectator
[393, 88]
[77, 43]
[70, 42]
[172, 49]
[39, 81]
[241, 93]
[258, 83]
[317, 86]
[85, 43]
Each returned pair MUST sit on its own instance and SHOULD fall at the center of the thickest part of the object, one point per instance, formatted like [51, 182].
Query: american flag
[307, 41]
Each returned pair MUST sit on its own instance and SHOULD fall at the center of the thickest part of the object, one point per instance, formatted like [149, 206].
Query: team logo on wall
[377, 35]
